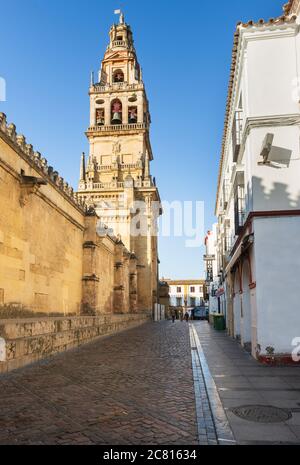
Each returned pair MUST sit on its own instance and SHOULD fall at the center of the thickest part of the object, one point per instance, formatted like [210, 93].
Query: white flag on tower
[117, 12]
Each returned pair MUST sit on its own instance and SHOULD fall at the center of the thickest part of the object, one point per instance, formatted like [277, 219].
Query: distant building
[164, 296]
[186, 293]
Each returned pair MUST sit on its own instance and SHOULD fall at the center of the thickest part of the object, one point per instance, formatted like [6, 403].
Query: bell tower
[116, 178]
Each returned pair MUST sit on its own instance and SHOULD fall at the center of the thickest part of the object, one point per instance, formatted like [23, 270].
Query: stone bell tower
[116, 175]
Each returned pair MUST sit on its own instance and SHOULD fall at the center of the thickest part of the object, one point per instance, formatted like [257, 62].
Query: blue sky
[48, 49]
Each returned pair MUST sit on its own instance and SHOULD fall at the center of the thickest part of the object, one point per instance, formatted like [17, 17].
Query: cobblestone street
[158, 384]
[132, 388]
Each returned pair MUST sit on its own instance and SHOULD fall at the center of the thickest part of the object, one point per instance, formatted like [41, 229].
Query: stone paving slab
[132, 388]
[241, 381]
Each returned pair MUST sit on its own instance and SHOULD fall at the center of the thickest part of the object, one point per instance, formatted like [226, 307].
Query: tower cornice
[116, 87]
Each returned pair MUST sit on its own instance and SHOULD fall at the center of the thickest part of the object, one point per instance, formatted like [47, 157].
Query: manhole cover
[262, 413]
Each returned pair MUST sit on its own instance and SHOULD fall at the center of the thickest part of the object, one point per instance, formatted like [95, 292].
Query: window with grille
[239, 208]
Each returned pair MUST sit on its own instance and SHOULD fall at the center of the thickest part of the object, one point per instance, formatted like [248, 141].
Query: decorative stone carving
[37, 157]
[11, 131]
[21, 141]
[44, 165]
[29, 150]
[116, 148]
[3, 122]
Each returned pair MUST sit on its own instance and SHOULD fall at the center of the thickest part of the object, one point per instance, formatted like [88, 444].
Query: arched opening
[118, 76]
[246, 326]
[132, 115]
[116, 112]
[100, 116]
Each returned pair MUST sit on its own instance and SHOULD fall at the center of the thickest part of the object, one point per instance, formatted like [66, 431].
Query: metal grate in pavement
[262, 413]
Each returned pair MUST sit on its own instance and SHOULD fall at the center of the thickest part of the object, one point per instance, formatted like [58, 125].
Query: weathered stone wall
[41, 232]
[53, 260]
[23, 342]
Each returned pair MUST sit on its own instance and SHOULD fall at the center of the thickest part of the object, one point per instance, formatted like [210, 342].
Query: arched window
[132, 115]
[118, 76]
[116, 112]
[100, 117]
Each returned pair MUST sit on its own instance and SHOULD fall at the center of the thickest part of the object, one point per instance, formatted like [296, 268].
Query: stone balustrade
[122, 165]
[138, 184]
[118, 127]
[119, 43]
[97, 88]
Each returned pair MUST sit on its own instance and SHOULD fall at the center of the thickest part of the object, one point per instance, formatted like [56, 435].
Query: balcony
[123, 166]
[115, 87]
[114, 185]
[119, 43]
[117, 128]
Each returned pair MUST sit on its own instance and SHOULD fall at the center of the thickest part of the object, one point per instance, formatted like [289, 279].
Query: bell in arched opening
[118, 76]
[132, 115]
[116, 112]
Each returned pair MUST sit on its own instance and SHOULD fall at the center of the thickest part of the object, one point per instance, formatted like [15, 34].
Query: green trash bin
[219, 322]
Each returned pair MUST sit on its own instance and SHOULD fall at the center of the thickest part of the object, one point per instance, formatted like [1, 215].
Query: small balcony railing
[122, 166]
[97, 88]
[97, 186]
[118, 127]
[119, 43]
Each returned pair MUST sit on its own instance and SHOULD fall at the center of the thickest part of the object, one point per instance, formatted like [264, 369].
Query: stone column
[125, 110]
[107, 112]
[90, 280]
[133, 283]
[126, 280]
[140, 108]
[119, 297]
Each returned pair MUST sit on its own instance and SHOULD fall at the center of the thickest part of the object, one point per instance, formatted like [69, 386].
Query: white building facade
[186, 293]
[258, 199]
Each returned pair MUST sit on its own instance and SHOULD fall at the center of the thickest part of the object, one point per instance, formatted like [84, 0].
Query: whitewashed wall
[277, 268]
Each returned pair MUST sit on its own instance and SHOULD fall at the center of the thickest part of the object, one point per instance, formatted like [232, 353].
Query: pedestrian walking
[187, 317]
[173, 316]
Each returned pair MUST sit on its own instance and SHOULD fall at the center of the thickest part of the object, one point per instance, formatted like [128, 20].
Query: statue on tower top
[122, 18]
